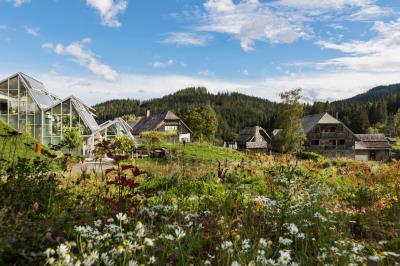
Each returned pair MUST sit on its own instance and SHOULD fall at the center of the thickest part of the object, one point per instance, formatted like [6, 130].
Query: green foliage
[126, 144]
[378, 106]
[372, 130]
[397, 123]
[291, 137]
[14, 145]
[252, 111]
[309, 156]
[205, 152]
[72, 139]
[116, 108]
[275, 209]
[155, 138]
[202, 121]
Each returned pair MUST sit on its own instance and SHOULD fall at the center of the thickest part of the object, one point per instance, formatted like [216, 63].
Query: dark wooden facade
[253, 140]
[165, 122]
[328, 136]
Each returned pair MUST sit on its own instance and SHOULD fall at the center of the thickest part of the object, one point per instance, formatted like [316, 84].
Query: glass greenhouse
[26, 105]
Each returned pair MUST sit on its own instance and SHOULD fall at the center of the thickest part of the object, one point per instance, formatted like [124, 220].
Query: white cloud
[379, 54]
[109, 10]
[250, 21]
[186, 39]
[18, 3]
[245, 72]
[371, 12]
[205, 73]
[336, 26]
[280, 21]
[319, 86]
[159, 64]
[35, 32]
[316, 86]
[84, 57]
[323, 5]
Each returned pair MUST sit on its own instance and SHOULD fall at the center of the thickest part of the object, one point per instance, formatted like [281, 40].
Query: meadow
[206, 206]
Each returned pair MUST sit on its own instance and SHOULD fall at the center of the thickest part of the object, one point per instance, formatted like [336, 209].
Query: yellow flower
[120, 249]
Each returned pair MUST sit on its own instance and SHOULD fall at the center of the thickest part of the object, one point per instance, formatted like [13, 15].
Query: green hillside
[14, 145]
[234, 110]
[374, 108]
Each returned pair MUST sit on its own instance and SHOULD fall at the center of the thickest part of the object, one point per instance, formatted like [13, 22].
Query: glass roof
[42, 99]
[39, 93]
[85, 114]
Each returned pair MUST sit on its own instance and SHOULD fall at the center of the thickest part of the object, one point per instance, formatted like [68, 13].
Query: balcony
[329, 135]
[328, 147]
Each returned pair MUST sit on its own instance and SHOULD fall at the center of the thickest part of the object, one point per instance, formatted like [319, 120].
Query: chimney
[337, 115]
[148, 113]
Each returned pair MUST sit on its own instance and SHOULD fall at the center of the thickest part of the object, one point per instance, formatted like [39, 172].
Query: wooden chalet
[253, 140]
[329, 136]
[165, 122]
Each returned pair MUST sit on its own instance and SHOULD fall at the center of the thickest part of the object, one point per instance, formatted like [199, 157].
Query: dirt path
[90, 166]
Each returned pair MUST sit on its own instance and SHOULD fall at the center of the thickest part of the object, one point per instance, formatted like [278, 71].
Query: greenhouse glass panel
[14, 84]
[4, 100]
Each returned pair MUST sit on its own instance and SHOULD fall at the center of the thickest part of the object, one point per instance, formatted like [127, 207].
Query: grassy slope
[205, 152]
[397, 146]
[14, 145]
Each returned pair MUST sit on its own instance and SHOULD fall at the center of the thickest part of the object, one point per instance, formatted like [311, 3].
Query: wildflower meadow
[261, 210]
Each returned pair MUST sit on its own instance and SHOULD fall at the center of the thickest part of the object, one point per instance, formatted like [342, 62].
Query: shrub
[308, 156]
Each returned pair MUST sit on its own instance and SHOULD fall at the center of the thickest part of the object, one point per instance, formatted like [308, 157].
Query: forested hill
[234, 110]
[372, 111]
[381, 92]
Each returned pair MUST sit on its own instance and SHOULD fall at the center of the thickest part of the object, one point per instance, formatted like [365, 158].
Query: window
[171, 128]
[315, 142]
[332, 142]
[341, 142]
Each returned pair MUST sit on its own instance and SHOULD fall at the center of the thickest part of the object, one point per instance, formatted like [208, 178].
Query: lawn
[207, 152]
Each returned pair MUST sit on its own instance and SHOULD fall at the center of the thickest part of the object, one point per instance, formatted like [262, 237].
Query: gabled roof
[372, 142]
[153, 121]
[37, 90]
[372, 137]
[121, 122]
[84, 111]
[248, 133]
[310, 121]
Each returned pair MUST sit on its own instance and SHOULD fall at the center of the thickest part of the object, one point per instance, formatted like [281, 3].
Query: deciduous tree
[291, 137]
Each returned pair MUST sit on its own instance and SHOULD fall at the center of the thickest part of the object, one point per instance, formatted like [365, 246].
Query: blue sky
[105, 49]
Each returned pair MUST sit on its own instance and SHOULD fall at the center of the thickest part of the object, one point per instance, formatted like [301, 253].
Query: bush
[309, 156]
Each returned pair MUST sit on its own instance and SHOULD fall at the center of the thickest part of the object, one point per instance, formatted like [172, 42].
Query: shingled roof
[248, 133]
[152, 122]
[309, 121]
[372, 142]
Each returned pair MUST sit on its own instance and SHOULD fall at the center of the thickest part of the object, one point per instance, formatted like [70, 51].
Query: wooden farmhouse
[253, 140]
[164, 122]
[328, 136]
[375, 147]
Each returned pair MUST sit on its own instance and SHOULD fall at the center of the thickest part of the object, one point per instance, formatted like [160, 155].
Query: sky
[108, 49]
